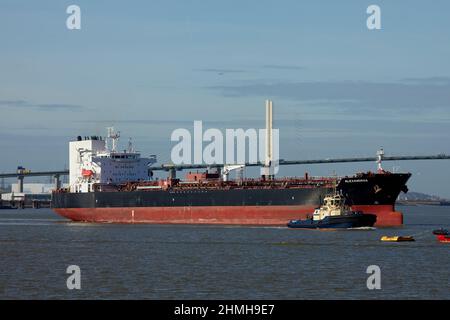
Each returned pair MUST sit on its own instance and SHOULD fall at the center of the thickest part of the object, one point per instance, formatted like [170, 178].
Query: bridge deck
[168, 167]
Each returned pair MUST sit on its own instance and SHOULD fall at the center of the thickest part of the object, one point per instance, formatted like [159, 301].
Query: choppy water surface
[217, 262]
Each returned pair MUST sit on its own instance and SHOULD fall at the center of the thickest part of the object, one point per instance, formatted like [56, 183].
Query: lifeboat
[87, 173]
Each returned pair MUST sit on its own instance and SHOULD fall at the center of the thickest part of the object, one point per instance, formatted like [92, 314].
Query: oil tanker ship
[111, 186]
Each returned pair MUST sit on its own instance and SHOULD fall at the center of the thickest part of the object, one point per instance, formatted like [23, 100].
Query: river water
[219, 262]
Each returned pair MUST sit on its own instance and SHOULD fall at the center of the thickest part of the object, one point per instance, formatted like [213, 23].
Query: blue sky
[149, 67]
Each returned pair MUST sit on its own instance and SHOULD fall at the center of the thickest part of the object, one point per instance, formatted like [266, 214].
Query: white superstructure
[96, 160]
[333, 205]
[268, 168]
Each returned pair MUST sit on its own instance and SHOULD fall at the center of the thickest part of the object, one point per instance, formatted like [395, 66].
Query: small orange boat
[397, 238]
[442, 235]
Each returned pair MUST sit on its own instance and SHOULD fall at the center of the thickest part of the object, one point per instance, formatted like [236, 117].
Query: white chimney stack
[269, 138]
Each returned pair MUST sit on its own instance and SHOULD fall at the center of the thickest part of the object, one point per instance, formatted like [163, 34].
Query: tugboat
[334, 214]
[442, 235]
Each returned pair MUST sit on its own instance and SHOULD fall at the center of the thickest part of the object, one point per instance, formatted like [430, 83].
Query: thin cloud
[168, 122]
[42, 107]
[283, 67]
[356, 95]
[139, 121]
[55, 106]
[14, 103]
[221, 71]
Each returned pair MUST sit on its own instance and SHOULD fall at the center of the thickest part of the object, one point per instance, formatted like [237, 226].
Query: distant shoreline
[422, 203]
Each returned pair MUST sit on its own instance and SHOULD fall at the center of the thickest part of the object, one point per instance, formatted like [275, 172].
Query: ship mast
[380, 154]
[335, 183]
[113, 136]
[130, 145]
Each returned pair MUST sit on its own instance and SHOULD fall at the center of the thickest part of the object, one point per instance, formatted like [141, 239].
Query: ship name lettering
[356, 180]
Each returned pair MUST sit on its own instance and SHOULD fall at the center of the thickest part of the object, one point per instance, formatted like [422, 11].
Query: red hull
[443, 238]
[386, 214]
[231, 215]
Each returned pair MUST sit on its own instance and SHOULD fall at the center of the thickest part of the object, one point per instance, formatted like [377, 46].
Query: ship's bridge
[125, 156]
[95, 160]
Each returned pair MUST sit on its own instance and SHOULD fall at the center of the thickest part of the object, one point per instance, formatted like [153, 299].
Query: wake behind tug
[334, 214]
